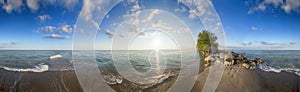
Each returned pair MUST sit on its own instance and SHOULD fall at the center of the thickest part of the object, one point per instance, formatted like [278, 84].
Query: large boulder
[252, 65]
[246, 65]
[229, 63]
[258, 60]
[206, 59]
[239, 58]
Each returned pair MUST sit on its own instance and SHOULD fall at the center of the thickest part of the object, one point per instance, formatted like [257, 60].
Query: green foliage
[206, 41]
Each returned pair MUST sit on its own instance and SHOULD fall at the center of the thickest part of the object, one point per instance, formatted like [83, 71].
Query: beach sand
[39, 82]
[235, 79]
[239, 79]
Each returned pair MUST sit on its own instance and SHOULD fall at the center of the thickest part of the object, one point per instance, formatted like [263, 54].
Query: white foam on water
[297, 73]
[269, 68]
[40, 68]
[152, 81]
[55, 56]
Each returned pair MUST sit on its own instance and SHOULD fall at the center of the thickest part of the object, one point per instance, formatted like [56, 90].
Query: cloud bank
[286, 5]
[56, 36]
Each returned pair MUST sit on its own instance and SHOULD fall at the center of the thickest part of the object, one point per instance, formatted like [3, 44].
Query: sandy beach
[235, 79]
[239, 79]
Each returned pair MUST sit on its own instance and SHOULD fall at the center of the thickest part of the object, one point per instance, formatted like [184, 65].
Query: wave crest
[269, 68]
[55, 56]
[39, 68]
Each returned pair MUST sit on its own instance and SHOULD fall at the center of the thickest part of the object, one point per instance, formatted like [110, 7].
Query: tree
[206, 42]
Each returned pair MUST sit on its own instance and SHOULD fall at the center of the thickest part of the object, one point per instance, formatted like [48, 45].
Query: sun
[156, 44]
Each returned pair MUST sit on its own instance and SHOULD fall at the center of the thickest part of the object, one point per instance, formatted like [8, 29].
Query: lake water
[276, 60]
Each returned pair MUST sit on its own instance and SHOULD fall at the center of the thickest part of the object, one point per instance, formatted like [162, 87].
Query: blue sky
[50, 24]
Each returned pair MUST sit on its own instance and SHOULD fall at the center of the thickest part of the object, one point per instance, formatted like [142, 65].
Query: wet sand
[62, 81]
[39, 82]
[235, 79]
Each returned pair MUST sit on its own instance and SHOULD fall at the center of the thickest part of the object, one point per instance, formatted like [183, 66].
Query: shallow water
[166, 62]
[276, 60]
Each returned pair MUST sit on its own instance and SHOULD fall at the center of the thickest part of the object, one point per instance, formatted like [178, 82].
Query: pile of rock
[232, 58]
[241, 59]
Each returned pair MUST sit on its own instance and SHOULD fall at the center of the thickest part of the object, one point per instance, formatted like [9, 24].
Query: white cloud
[56, 36]
[287, 5]
[33, 4]
[161, 24]
[90, 7]
[69, 4]
[7, 44]
[43, 18]
[275, 3]
[266, 43]
[134, 14]
[246, 44]
[254, 28]
[48, 29]
[67, 28]
[181, 9]
[12, 5]
[108, 32]
[90, 10]
[63, 28]
[135, 10]
[152, 14]
[133, 21]
[192, 14]
[291, 5]
[136, 7]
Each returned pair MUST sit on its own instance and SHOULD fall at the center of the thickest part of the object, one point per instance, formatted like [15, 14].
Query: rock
[207, 59]
[252, 65]
[222, 55]
[245, 61]
[229, 63]
[246, 65]
[258, 60]
[218, 61]
[229, 55]
[234, 54]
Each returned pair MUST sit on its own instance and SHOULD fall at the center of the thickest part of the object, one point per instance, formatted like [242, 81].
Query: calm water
[140, 60]
[167, 62]
[30, 60]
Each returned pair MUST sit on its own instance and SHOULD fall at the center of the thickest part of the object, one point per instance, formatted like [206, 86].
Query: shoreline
[236, 77]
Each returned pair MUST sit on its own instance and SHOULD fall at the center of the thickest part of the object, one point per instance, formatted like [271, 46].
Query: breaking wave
[269, 68]
[55, 56]
[39, 68]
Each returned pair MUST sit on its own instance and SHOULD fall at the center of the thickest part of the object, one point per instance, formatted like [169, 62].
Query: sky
[149, 24]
